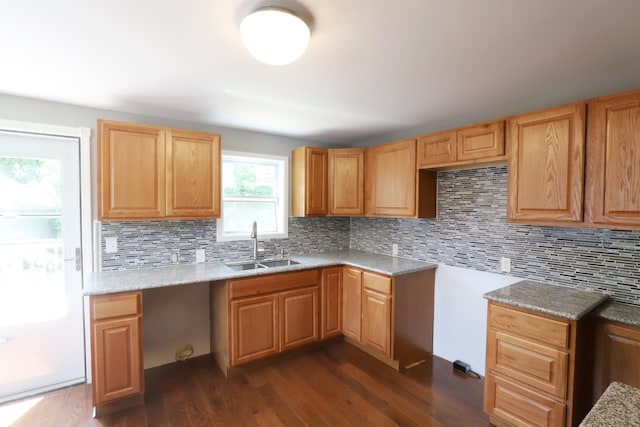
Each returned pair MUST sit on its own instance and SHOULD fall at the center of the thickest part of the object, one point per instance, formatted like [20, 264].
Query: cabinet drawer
[542, 367]
[534, 327]
[116, 305]
[272, 283]
[376, 282]
[521, 406]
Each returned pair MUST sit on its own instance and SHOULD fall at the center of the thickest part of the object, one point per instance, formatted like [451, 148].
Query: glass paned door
[41, 314]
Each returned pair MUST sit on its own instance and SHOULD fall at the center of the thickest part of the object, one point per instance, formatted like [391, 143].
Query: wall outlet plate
[394, 249]
[505, 265]
[199, 256]
[111, 245]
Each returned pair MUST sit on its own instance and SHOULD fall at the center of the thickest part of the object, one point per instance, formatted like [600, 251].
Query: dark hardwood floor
[336, 385]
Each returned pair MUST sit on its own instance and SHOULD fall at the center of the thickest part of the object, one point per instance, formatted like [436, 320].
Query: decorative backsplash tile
[471, 231]
[143, 244]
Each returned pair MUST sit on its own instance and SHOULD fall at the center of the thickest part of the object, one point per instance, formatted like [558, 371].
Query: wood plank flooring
[336, 385]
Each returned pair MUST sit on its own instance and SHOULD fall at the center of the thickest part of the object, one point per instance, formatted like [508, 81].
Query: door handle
[78, 259]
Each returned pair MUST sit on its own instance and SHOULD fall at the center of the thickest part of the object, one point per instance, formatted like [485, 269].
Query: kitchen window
[254, 188]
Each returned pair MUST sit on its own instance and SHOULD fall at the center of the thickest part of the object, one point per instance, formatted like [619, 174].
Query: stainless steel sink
[278, 262]
[246, 266]
[267, 263]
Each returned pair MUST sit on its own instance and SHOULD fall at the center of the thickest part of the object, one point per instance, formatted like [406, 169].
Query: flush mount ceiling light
[274, 35]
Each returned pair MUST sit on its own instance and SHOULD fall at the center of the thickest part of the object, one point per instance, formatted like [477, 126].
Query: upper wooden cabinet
[546, 166]
[471, 144]
[346, 181]
[148, 172]
[309, 195]
[393, 185]
[613, 162]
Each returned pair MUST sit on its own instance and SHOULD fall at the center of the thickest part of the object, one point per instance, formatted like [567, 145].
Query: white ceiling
[372, 67]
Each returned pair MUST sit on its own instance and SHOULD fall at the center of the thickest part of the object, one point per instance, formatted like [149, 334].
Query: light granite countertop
[619, 406]
[560, 301]
[621, 313]
[107, 282]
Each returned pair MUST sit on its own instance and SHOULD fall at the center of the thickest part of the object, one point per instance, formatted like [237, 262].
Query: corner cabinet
[148, 172]
[613, 162]
[546, 166]
[394, 187]
[309, 196]
[346, 181]
[116, 350]
[533, 370]
[331, 302]
[390, 318]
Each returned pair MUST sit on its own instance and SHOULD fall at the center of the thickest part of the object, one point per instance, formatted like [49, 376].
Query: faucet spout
[254, 236]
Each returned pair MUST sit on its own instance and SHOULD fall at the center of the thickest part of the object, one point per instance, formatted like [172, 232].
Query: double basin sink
[255, 265]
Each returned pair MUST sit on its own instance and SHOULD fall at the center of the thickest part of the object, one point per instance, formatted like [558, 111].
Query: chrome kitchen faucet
[254, 236]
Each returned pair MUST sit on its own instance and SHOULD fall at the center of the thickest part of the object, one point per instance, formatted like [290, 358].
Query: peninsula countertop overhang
[107, 282]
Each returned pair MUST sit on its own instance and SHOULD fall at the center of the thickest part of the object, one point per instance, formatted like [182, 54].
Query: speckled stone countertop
[108, 282]
[560, 301]
[618, 312]
[619, 406]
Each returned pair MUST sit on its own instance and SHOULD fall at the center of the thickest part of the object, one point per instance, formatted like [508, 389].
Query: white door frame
[84, 136]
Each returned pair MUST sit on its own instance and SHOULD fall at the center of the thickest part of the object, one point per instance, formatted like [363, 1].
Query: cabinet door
[546, 167]
[309, 195]
[298, 317]
[117, 359]
[617, 356]
[331, 303]
[346, 181]
[436, 149]
[376, 322]
[480, 141]
[351, 302]
[131, 171]
[391, 179]
[254, 328]
[193, 174]
[613, 159]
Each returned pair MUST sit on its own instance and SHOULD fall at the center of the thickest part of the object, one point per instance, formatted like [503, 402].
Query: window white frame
[283, 200]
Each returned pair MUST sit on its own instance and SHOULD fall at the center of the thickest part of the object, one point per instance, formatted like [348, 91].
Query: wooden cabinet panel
[546, 166]
[539, 366]
[377, 282]
[298, 317]
[520, 406]
[391, 179]
[309, 195]
[437, 149]
[481, 141]
[613, 162]
[193, 174]
[331, 302]
[376, 322]
[254, 328]
[352, 303]
[617, 356]
[116, 346]
[346, 181]
[269, 283]
[534, 327]
[131, 174]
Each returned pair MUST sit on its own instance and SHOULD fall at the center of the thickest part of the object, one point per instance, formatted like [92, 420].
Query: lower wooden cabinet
[116, 347]
[298, 317]
[376, 322]
[331, 302]
[535, 375]
[254, 328]
[617, 356]
[352, 303]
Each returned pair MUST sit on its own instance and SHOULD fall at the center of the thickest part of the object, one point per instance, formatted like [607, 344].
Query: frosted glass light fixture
[274, 35]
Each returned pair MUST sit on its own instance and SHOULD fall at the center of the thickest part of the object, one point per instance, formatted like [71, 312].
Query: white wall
[460, 313]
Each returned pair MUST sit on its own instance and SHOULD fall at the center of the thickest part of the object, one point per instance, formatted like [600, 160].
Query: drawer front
[116, 305]
[376, 282]
[541, 329]
[520, 406]
[272, 283]
[536, 365]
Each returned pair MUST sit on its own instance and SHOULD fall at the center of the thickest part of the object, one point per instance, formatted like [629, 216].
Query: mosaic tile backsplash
[471, 231]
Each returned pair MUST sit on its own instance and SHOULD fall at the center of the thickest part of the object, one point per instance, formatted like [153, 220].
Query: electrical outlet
[505, 265]
[199, 256]
[111, 245]
[394, 249]
[174, 258]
